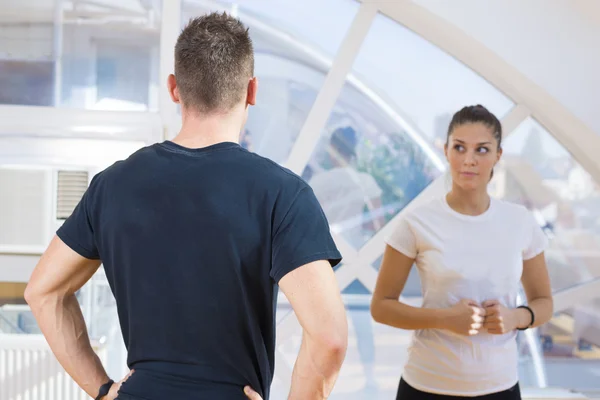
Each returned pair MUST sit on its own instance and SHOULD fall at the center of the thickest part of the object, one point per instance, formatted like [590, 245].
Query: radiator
[29, 371]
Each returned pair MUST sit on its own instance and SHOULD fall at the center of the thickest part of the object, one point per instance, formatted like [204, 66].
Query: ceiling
[552, 42]
[36, 11]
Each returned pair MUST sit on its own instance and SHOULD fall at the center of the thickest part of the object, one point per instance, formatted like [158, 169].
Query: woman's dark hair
[477, 114]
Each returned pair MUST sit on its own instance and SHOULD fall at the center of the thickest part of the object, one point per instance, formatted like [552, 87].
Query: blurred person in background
[344, 192]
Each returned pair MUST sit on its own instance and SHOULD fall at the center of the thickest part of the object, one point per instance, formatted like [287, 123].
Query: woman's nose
[469, 158]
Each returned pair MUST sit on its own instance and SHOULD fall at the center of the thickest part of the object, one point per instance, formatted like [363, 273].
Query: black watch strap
[104, 389]
[532, 318]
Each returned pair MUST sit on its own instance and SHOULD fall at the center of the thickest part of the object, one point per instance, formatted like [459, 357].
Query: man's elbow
[337, 344]
[35, 297]
[333, 342]
[332, 348]
[32, 295]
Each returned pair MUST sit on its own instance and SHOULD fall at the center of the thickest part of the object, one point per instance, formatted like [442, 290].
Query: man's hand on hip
[114, 389]
[251, 394]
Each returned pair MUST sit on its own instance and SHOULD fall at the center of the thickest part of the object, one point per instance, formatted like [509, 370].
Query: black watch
[104, 389]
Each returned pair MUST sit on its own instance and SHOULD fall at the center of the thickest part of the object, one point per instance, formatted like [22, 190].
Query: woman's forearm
[399, 315]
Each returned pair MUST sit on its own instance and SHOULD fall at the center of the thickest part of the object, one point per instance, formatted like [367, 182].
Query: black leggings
[407, 392]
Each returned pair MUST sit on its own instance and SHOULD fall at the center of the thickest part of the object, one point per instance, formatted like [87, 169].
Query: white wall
[555, 43]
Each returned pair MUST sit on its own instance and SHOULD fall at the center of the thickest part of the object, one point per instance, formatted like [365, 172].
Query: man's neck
[199, 131]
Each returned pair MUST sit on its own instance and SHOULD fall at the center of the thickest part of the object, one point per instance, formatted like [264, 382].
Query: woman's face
[472, 152]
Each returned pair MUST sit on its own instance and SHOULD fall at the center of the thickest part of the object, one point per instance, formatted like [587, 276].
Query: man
[194, 233]
[344, 192]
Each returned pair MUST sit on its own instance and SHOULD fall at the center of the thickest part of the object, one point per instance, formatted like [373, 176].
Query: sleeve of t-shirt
[536, 240]
[77, 231]
[301, 235]
[370, 186]
[403, 239]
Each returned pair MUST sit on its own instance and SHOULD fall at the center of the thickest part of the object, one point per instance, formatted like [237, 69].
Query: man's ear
[252, 91]
[173, 89]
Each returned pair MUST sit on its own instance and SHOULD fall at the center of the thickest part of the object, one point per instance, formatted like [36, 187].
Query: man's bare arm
[51, 296]
[315, 296]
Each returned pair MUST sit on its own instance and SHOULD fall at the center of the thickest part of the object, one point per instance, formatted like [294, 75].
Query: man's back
[193, 242]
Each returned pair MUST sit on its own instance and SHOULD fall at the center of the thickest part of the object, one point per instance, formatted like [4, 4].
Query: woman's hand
[465, 318]
[499, 319]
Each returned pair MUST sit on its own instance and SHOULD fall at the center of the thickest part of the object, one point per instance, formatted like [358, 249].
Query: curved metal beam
[334, 82]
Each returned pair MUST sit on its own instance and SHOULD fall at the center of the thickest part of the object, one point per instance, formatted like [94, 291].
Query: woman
[471, 252]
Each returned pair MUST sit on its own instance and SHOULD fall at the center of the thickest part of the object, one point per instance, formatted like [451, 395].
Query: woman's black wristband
[532, 318]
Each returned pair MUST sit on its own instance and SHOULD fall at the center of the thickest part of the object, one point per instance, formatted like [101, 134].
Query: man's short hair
[214, 61]
[344, 141]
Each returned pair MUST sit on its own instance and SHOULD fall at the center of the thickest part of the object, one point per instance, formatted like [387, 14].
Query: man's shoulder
[118, 167]
[274, 173]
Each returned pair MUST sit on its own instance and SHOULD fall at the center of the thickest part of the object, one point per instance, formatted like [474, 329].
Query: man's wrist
[104, 390]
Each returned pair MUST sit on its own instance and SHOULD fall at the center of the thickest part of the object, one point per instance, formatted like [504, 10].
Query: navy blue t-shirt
[193, 242]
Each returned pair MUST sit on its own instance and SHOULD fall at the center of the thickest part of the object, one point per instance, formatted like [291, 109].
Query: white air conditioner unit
[35, 201]
[70, 187]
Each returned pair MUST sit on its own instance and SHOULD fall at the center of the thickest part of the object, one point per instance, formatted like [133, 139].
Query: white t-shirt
[460, 256]
[343, 193]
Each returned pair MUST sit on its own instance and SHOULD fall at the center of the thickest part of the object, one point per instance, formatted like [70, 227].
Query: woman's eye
[483, 149]
[459, 147]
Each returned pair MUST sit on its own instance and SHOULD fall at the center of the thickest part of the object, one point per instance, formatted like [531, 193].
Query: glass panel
[356, 288]
[101, 56]
[291, 62]
[570, 341]
[574, 334]
[539, 173]
[420, 81]
[367, 166]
